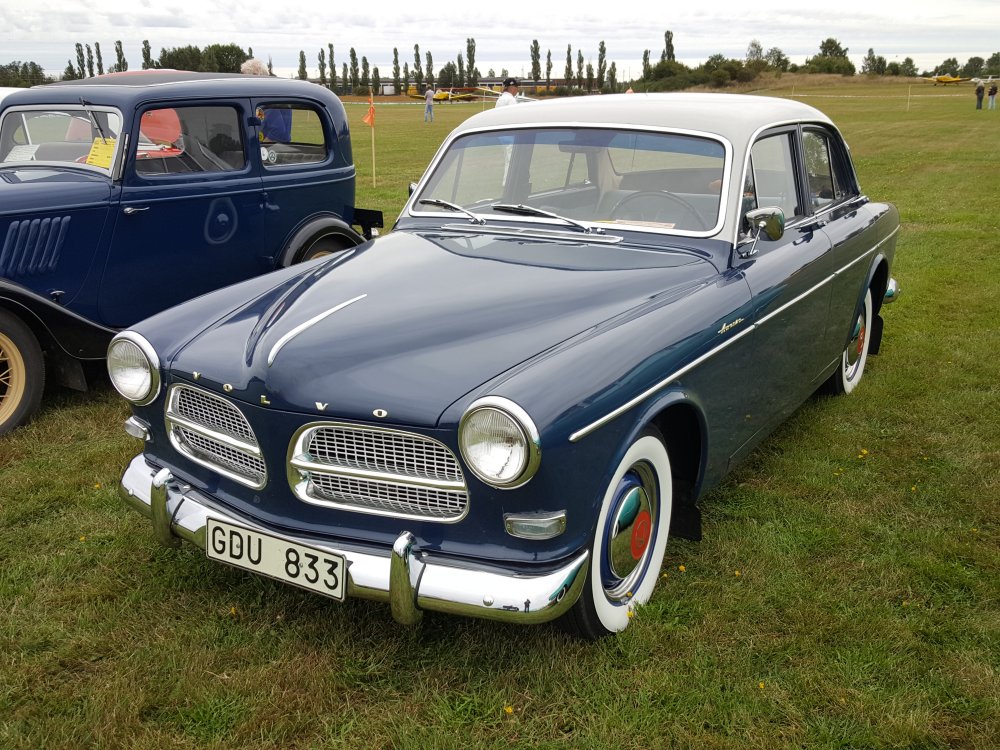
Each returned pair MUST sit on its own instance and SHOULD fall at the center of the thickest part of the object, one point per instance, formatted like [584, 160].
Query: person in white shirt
[429, 104]
[509, 95]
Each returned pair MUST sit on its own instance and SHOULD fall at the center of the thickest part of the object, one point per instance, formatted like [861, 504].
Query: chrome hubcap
[856, 347]
[629, 533]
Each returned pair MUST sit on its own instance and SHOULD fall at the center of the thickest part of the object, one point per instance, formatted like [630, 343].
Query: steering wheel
[653, 205]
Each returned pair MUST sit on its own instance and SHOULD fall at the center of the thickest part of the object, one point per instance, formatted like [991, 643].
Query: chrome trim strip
[556, 234]
[684, 370]
[662, 384]
[303, 326]
[220, 437]
[300, 489]
[486, 591]
[302, 463]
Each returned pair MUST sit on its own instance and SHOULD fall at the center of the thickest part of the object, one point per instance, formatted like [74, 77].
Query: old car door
[191, 216]
[307, 168]
[787, 278]
[846, 219]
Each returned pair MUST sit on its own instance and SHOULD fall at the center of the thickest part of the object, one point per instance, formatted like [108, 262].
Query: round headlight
[134, 368]
[499, 442]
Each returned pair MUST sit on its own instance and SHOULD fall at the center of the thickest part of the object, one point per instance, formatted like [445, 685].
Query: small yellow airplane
[944, 80]
[445, 95]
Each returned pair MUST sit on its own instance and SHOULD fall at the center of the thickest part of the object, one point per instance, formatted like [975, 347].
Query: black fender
[60, 332]
[322, 225]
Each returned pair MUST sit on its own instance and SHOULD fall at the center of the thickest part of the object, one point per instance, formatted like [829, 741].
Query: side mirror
[769, 220]
[413, 187]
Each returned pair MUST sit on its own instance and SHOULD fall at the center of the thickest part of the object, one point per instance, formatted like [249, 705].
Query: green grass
[866, 612]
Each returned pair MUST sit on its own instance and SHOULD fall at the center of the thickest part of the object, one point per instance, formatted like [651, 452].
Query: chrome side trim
[409, 579]
[582, 433]
[308, 324]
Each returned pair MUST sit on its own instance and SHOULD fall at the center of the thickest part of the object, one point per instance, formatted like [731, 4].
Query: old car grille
[213, 432]
[377, 470]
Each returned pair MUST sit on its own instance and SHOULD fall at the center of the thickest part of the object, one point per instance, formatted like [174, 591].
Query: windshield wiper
[474, 218]
[520, 208]
[93, 119]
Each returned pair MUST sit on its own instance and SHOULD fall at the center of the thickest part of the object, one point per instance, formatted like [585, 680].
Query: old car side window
[774, 174]
[181, 140]
[824, 187]
[70, 135]
[290, 134]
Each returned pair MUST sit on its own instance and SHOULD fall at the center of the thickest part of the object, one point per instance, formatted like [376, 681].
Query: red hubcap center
[641, 530]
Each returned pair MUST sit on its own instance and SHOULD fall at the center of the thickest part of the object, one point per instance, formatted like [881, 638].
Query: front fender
[54, 325]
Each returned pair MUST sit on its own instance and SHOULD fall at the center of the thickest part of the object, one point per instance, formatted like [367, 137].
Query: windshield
[664, 181]
[71, 135]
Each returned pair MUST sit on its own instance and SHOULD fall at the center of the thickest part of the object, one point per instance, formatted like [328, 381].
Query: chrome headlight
[134, 368]
[499, 442]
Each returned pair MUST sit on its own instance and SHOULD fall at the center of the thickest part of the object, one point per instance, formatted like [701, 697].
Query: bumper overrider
[411, 581]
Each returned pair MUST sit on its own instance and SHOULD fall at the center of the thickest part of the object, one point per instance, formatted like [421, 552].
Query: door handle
[134, 210]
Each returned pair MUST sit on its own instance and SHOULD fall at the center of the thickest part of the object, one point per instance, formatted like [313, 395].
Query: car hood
[26, 189]
[412, 322]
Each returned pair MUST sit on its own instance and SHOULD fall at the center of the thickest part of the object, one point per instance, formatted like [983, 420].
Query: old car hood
[413, 321]
[27, 189]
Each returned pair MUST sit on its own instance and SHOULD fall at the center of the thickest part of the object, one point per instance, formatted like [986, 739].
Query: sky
[45, 31]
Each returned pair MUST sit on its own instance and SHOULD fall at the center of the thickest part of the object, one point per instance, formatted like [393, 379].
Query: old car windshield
[663, 181]
[72, 135]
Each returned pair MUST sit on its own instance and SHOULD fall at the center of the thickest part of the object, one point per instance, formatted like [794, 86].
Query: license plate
[298, 564]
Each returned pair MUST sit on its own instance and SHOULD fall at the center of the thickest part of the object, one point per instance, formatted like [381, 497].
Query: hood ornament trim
[308, 324]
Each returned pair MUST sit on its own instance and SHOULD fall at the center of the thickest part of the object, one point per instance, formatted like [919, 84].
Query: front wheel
[629, 541]
[852, 362]
[22, 373]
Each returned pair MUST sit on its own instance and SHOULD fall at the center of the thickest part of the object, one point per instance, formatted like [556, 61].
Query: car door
[191, 212]
[848, 221]
[307, 168]
[789, 282]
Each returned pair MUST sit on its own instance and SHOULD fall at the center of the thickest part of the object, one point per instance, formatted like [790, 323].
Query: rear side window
[180, 140]
[828, 180]
[290, 134]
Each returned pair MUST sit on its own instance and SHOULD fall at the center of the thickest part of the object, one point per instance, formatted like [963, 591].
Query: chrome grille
[377, 470]
[212, 412]
[389, 497]
[216, 452]
[383, 452]
[213, 432]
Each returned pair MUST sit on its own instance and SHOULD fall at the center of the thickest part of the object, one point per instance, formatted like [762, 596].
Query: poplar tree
[395, 71]
[568, 73]
[536, 61]
[81, 66]
[100, 60]
[321, 59]
[333, 68]
[121, 64]
[430, 70]
[548, 70]
[418, 71]
[579, 68]
[147, 55]
[355, 76]
[303, 73]
[470, 62]
[602, 64]
[90, 62]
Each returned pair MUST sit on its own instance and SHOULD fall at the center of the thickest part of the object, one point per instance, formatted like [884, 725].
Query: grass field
[846, 594]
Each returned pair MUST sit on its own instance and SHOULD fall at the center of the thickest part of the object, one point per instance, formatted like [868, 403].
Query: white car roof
[735, 117]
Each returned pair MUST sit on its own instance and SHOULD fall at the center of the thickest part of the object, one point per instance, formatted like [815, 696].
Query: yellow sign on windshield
[101, 153]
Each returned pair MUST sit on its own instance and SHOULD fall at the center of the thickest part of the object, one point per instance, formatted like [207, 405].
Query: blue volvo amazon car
[125, 194]
[588, 311]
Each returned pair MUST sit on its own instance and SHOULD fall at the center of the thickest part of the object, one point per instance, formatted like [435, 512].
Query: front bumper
[410, 580]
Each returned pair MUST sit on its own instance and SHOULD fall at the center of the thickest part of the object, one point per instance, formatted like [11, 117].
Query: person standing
[429, 104]
[509, 95]
[993, 97]
[979, 94]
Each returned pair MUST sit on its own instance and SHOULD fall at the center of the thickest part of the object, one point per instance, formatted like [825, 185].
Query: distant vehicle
[946, 79]
[589, 310]
[125, 194]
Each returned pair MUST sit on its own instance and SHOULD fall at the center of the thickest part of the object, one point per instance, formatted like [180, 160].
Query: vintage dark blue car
[128, 193]
[588, 311]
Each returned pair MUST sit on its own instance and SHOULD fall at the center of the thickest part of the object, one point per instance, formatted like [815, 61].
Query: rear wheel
[852, 362]
[320, 247]
[629, 541]
[22, 373]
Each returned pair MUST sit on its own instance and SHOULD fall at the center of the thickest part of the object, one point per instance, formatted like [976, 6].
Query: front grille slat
[335, 452]
[206, 418]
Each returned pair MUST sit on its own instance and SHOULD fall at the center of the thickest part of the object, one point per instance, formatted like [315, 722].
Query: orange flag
[369, 119]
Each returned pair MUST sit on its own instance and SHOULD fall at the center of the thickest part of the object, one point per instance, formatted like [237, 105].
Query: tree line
[578, 76]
